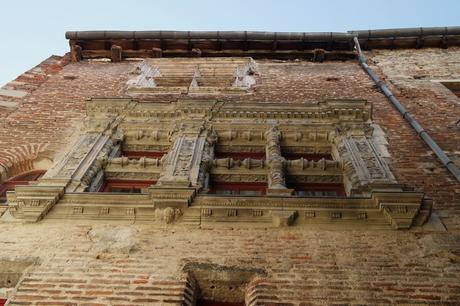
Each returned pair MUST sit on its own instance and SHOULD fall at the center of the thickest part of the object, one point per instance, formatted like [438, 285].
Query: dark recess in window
[240, 188]
[125, 186]
[139, 154]
[22, 179]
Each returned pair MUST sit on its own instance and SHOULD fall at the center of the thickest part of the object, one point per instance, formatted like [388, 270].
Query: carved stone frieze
[168, 215]
[192, 76]
[247, 163]
[303, 164]
[239, 177]
[191, 130]
[190, 157]
[361, 162]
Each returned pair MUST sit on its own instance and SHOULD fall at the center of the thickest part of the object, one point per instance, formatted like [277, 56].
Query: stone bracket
[401, 210]
[163, 197]
[32, 203]
[281, 218]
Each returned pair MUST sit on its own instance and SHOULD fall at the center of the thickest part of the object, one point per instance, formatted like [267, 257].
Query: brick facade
[90, 263]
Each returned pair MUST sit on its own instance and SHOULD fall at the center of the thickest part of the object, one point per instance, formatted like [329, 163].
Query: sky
[33, 30]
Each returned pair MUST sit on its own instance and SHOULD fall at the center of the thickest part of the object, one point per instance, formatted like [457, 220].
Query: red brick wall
[304, 266]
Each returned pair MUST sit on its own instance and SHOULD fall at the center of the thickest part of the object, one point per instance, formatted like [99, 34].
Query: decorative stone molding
[32, 203]
[282, 218]
[189, 159]
[168, 215]
[247, 163]
[81, 165]
[361, 161]
[192, 76]
[193, 130]
[276, 163]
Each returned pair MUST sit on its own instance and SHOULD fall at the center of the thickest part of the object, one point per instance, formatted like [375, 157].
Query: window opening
[22, 179]
[308, 156]
[139, 154]
[125, 186]
[240, 188]
[318, 190]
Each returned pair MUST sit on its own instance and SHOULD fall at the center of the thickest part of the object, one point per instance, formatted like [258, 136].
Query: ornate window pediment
[313, 155]
[192, 76]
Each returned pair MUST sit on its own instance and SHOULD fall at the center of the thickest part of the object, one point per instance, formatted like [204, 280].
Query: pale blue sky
[31, 31]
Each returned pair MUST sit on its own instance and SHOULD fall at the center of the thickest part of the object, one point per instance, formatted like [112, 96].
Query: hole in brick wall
[11, 272]
[221, 285]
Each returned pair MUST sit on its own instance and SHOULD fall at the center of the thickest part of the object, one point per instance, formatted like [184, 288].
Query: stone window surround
[365, 173]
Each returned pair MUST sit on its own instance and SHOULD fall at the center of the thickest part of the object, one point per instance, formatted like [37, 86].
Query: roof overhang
[310, 45]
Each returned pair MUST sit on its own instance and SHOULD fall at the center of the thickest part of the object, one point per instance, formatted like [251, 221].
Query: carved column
[79, 167]
[276, 163]
[363, 166]
[188, 161]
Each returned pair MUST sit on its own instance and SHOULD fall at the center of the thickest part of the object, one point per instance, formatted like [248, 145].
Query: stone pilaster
[276, 163]
[362, 164]
[191, 154]
[78, 168]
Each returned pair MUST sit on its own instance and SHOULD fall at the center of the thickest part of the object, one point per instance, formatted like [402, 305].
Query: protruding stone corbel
[157, 52]
[195, 52]
[75, 53]
[403, 209]
[32, 203]
[276, 163]
[282, 218]
[319, 55]
[116, 54]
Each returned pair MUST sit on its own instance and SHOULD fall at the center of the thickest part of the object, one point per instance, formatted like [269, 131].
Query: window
[192, 75]
[240, 188]
[125, 186]
[318, 190]
[22, 179]
[139, 154]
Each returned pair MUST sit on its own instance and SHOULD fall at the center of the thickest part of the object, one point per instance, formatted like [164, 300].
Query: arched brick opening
[21, 159]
